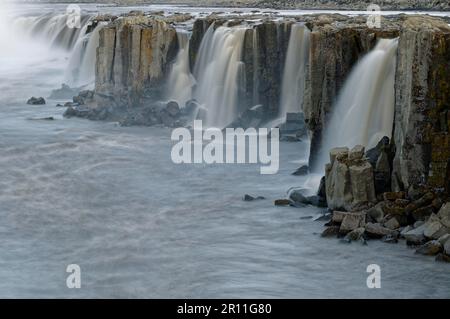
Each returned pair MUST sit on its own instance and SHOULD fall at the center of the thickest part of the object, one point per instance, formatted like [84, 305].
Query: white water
[364, 111]
[50, 34]
[293, 85]
[180, 81]
[219, 72]
[81, 68]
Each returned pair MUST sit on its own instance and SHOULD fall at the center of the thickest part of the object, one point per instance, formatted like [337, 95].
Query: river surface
[109, 199]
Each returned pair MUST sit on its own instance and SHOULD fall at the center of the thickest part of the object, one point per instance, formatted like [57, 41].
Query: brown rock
[394, 195]
[352, 221]
[331, 231]
[432, 248]
[282, 202]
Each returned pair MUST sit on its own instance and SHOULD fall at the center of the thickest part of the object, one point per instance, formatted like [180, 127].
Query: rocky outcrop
[349, 180]
[132, 58]
[421, 133]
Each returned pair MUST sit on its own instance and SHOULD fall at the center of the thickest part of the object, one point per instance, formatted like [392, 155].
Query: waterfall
[364, 111]
[293, 84]
[81, 68]
[219, 72]
[180, 81]
[255, 67]
[50, 32]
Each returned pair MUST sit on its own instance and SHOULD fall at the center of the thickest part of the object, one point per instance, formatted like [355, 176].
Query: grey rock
[415, 236]
[352, 221]
[36, 101]
[431, 248]
[376, 230]
[304, 170]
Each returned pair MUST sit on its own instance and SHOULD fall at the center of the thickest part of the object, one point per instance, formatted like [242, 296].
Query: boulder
[338, 152]
[444, 214]
[36, 101]
[434, 229]
[173, 109]
[352, 221]
[338, 216]
[249, 198]
[282, 202]
[331, 231]
[376, 212]
[376, 230]
[415, 236]
[392, 224]
[443, 258]
[447, 247]
[431, 248]
[304, 170]
[443, 239]
[355, 234]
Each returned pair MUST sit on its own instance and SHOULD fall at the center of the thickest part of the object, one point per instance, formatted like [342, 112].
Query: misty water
[110, 199]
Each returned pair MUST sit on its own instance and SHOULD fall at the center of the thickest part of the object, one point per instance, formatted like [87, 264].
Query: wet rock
[434, 229]
[390, 239]
[249, 198]
[443, 239]
[282, 202]
[447, 247]
[304, 170]
[443, 258]
[322, 189]
[355, 234]
[376, 230]
[415, 236]
[173, 109]
[338, 216]
[431, 248]
[331, 231]
[297, 196]
[392, 224]
[444, 215]
[36, 101]
[295, 124]
[65, 92]
[376, 212]
[352, 221]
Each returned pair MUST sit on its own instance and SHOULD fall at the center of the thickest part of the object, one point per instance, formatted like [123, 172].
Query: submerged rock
[36, 101]
[431, 248]
[249, 198]
[304, 170]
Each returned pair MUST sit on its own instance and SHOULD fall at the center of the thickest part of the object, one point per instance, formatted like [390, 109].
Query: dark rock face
[36, 101]
[421, 134]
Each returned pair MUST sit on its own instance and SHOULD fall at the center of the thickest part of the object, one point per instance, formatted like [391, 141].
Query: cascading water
[219, 73]
[180, 81]
[293, 84]
[364, 111]
[52, 34]
[81, 69]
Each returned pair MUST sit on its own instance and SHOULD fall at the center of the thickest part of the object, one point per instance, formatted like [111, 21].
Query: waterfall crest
[364, 111]
[180, 81]
[52, 33]
[293, 84]
[219, 73]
